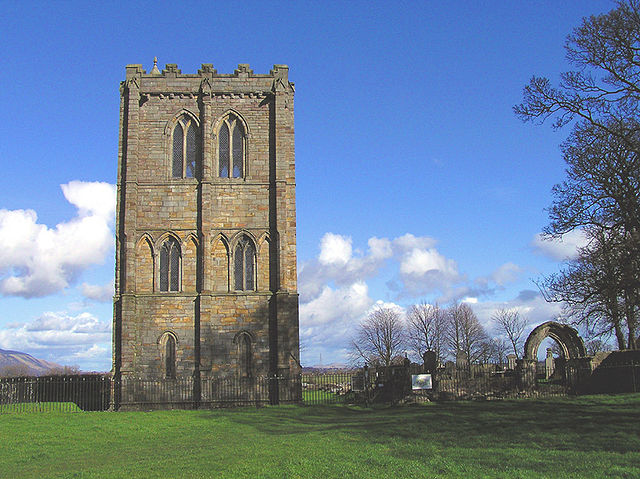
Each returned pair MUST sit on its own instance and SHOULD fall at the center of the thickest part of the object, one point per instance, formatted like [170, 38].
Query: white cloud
[335, 249]
[409, 242]
[560, 249]
[379, 304]
[380, 248]
[36, 260]
[423, 269]
[335, 298]
[507, 273]
[92, 198]
[419, 262]
[337, 264]
[93, 352]
[101, 293]
[328, 321]
[336, 305]
[61, 338]
[530, 305]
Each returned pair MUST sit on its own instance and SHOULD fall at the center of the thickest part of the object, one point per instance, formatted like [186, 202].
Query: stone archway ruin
[566, 336]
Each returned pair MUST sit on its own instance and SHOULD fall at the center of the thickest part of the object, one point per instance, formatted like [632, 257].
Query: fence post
[197, 389]
[274, 398]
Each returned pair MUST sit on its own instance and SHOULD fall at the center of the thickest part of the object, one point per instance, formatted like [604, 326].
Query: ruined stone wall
[206, 215]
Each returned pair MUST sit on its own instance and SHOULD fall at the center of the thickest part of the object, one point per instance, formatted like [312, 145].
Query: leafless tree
[601, 192]
[65, 371]
[379, 338]
[427, 329]
[15, 370]
[466, 336]
[597, 288]
[511, 324]
[486, 351]
[499, 349]
[595, 345]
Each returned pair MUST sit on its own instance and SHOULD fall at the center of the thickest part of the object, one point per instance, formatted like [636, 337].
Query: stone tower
[206, 227]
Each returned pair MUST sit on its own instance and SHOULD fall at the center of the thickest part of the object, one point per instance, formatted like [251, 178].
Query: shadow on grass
[597, 423]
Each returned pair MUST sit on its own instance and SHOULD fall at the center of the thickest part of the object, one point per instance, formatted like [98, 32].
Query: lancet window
[170, 266]
[244, 261]
[244, 355]
[231, 148]
[169, 356]
[186, 148]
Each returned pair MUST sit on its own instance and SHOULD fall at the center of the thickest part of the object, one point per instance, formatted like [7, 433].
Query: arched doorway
[571, 350]
[567, 338]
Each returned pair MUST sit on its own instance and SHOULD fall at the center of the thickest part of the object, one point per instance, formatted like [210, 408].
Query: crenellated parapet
[242, 82]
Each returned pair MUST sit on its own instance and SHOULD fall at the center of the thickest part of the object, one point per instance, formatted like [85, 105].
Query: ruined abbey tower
[206, 226]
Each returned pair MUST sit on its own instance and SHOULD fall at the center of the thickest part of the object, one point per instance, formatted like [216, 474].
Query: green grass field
[588, 437]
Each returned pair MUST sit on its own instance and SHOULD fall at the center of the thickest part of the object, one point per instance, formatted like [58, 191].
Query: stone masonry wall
[206, 216]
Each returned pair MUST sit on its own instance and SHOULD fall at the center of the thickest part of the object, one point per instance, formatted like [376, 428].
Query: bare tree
[379, 338]
[499, 350]
[15, 370]
[597, 288]
[601, 192]
[427, 329]
[65, 371]
[596, 345]
[486, 351]
[511, 324]
[466, 336]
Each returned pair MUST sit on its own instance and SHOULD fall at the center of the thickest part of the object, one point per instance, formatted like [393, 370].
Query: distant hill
[15, 363]
[334, 367]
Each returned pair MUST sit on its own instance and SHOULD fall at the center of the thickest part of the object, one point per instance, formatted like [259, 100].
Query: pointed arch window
[170, 266]
[244, 262]
[244, 355]
[186, 148]
[169, 354]
[231, 148]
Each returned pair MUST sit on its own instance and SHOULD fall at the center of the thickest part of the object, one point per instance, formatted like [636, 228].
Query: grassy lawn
[595, 436]
[322, 397]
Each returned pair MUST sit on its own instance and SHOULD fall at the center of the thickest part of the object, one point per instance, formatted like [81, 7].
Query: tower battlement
[241, 81]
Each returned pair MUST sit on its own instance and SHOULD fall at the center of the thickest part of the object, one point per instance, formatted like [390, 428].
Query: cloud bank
[37, 261]
[560, 249]
[63, 338]
[334, 287]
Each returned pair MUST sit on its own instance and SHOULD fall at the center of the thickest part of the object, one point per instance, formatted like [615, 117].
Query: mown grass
[589, 437]
[28, 407]
[320, 397]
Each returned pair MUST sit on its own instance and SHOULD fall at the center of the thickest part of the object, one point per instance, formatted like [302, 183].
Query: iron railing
[101, 392]
[55, 393]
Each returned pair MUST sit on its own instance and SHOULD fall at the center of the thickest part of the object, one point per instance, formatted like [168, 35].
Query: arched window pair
[170, 259]
[244, 261]
[186, 148]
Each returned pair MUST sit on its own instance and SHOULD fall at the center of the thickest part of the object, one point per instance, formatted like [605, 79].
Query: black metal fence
[55, 393]
[101, 393]
[469, 382]
[488, 381]
[332, 387]
[188, 393]
[493, 381]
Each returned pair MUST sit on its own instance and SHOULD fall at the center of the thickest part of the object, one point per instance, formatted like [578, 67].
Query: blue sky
[415, 181]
